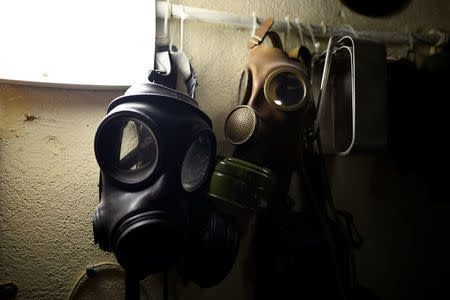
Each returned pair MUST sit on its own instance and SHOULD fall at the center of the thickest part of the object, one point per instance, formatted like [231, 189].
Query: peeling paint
[29, 117]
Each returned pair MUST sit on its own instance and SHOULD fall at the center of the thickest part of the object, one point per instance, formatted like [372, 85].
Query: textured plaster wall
[47, 187]
[48, 172]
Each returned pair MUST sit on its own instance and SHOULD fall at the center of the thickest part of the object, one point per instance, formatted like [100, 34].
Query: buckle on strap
[260, 33]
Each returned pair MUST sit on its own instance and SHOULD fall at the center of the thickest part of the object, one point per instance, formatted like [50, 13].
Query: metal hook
[255, 23]
[167, 16]
[410, 54]
[410, 45]
[300, 33]
[183, 17]
[288, 29]
[324, 28]
[313, 39]
[323, 85]
[411, 41]
[443, 40]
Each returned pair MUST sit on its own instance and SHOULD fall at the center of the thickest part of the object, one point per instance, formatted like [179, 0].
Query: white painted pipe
[179, 11]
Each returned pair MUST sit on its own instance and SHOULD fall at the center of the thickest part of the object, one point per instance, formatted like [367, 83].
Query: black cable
[132, 291]
[322, 204]
[166, 286]
[354, 236]
[324, 173]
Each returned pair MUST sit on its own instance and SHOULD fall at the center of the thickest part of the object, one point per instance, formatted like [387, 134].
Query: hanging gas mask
[156, 151]
[273, 93]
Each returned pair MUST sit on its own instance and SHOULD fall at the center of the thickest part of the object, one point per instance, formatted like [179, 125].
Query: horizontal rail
[178, 11]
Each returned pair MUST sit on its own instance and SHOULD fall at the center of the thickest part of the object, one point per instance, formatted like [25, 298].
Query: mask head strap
[261, 33]
[164, 73]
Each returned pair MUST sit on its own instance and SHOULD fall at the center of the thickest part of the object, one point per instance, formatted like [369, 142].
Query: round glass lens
[286, 89]
[196, 162]
[138, 146]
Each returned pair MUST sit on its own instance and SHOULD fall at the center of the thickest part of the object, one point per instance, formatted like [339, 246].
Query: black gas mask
[156, 151]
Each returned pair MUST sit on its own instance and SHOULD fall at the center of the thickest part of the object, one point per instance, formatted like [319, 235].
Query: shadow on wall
[405, 255]
[399, 197]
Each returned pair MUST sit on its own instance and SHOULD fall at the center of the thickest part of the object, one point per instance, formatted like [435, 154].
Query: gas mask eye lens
[127, 149]
[197, 161]
[138, 147]
[288, 89]
[285, 90]
[133, 154]
[130, 140]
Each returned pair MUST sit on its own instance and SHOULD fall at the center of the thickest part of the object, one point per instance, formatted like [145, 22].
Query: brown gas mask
[273, 94]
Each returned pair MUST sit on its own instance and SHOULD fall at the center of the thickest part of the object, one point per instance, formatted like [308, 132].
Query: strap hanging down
[164, 72]
[186, 71]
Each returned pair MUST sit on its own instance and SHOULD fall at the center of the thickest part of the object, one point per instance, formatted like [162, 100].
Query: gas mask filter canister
[156, 152]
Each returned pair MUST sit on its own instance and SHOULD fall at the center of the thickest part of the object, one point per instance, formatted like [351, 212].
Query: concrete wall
[49, 176]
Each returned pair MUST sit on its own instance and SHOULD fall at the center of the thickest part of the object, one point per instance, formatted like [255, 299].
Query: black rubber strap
[164, 73]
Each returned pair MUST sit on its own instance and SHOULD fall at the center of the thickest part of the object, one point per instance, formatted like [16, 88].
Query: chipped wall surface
[49, 176]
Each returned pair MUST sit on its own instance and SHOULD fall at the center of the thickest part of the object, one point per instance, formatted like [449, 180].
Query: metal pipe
[179, 11]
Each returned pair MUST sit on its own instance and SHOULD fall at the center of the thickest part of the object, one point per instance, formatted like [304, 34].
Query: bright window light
[77, 42]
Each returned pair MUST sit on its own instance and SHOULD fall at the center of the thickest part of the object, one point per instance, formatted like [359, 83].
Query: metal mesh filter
[240, 125]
